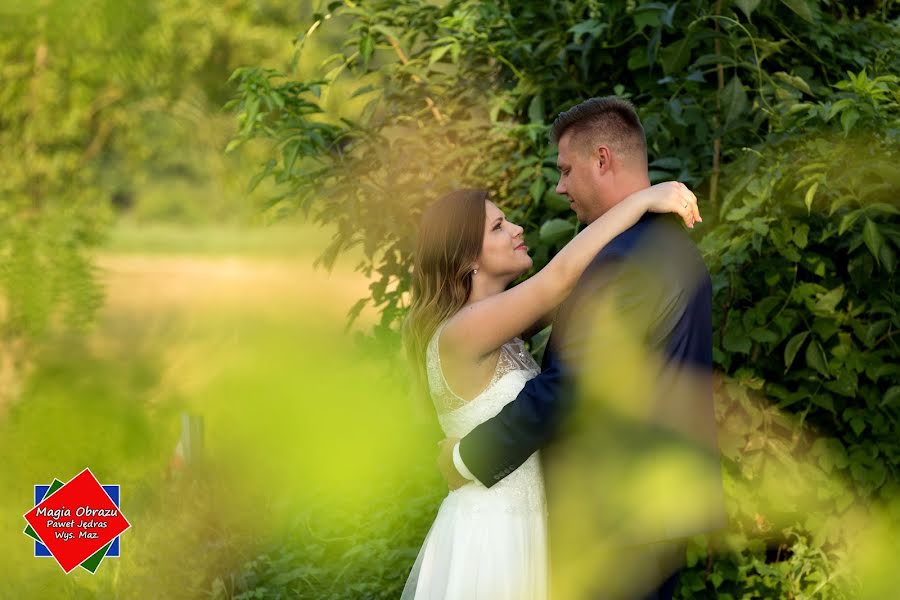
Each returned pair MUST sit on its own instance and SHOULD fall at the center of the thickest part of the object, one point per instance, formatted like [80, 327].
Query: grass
[296, 239]
[232, 325]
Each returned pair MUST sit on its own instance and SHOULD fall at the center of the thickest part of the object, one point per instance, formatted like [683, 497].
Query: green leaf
[764, 335]
[892, 396]
[823, 401]
[556, 230]
[801, 8]
[830, 453]
[637, 59]
[815, 358]
[801, 234]
[888, 258]
[290, 155]
[810, 194]
[437, 54]
[846, 384]
[759, 226]
[592, 28]
[874, 331]
[747, 6]
[847, 221]
[838, 107]
[873, 239]
[537, 189]
[556, 203]
[675, 56]
[866, 469]
[791, 349]
[366, 47]
[646, 18]
[794, 81]
[233, 144]
[849, 119]
[734, 100]
[363, 90]
[735, 340]
[828, 302]
[536, 110]
[670, 163]
[387, 32]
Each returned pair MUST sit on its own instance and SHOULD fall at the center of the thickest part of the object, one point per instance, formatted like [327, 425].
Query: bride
[462, 339]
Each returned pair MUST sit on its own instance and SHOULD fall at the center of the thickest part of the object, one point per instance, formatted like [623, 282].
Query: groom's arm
[497, 447]
[500, 445]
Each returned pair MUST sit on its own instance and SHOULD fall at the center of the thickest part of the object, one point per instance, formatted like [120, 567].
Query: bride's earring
[474, 271]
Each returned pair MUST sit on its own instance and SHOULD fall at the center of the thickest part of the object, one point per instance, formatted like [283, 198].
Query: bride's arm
[479, 329]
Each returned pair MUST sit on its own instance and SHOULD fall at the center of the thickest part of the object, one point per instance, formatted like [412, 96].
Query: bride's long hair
[448, 244]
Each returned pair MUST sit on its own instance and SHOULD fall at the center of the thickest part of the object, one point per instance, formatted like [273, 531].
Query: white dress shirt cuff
[460, 465]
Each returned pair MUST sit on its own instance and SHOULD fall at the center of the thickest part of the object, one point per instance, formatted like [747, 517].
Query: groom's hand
[445, 464]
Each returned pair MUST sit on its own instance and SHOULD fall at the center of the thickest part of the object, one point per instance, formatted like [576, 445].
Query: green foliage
[354, 555]
[461, 94]
[100, 101]
[788, 107]
[48, 216]
[804, 266]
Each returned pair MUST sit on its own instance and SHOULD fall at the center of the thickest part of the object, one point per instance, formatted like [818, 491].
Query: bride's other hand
[670, 197]
[445, 464]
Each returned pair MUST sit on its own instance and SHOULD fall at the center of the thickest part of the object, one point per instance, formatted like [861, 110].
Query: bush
[803, 265]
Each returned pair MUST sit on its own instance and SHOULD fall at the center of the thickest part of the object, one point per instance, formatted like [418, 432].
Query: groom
[622, 410]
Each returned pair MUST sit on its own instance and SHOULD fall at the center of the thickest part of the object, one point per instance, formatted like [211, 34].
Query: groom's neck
[625, 186]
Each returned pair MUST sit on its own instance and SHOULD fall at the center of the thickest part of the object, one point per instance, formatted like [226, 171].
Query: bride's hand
[670, 197]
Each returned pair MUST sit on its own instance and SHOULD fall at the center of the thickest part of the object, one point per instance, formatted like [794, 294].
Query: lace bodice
[514, 360]
[523, 488]
[459, 416]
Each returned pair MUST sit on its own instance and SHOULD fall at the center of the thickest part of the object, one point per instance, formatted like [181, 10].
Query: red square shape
[77, 520]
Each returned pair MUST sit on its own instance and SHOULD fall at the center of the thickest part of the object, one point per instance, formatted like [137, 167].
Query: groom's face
[578, 179]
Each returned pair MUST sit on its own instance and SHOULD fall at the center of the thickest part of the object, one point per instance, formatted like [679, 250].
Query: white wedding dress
[485, 543]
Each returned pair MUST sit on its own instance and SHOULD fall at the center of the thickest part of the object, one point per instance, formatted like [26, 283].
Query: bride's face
[503, 250]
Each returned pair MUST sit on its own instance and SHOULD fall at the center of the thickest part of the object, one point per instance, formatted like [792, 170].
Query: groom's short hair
[609, 120]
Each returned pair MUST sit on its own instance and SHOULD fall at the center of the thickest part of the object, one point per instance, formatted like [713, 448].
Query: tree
[97, 98]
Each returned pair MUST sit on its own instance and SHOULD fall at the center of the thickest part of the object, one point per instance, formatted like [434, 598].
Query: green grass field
[294, 239]
[234, 326]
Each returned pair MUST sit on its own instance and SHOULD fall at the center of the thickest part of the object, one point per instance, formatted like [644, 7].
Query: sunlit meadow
[303, 434]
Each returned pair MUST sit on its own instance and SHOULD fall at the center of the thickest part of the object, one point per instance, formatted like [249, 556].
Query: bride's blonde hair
[449, 242]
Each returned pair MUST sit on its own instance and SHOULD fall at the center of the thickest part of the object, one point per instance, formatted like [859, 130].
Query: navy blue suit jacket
[646, 294]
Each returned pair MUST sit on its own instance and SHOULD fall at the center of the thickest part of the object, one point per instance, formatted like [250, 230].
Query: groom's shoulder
[650, 230]
[657, 243]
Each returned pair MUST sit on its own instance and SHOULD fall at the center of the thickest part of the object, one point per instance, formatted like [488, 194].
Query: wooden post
[192, 438]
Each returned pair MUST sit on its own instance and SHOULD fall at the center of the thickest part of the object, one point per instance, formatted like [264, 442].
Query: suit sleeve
[497, 447]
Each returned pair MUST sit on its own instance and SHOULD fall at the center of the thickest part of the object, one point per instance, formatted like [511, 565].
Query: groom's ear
[602, 158]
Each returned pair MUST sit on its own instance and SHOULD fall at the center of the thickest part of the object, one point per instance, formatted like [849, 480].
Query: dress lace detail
[513, 357]
[485, 543]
